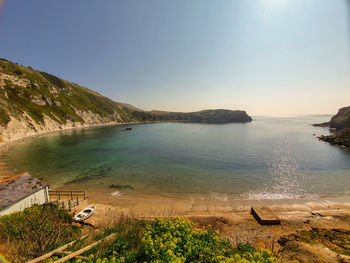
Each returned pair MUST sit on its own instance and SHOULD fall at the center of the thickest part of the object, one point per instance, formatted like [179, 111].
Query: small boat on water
[85, 214]
[128, 129]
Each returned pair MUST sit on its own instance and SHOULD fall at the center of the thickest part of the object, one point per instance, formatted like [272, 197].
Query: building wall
[39, 197]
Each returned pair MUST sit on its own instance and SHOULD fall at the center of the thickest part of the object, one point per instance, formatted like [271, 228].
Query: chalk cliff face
[34, 102]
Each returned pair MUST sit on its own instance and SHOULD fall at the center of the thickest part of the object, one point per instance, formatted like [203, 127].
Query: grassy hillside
[33, 102]
[24, 90]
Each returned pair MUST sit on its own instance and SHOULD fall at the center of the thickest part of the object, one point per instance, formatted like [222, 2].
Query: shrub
[36, 230]
[177, 241]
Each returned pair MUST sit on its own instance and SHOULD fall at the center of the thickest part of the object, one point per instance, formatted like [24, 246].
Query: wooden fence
[66, 200]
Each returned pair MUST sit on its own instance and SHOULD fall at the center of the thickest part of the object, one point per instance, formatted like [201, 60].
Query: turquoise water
[268, 158]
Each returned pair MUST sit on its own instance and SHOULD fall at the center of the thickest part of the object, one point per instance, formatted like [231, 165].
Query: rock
[341, 138]
[340, 123]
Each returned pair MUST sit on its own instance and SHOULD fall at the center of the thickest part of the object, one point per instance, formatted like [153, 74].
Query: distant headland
[340, 123]
[34, 102]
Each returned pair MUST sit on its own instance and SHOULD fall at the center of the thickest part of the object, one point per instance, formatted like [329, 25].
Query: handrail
[65, 191]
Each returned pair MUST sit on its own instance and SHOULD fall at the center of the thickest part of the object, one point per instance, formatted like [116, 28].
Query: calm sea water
[268, 158]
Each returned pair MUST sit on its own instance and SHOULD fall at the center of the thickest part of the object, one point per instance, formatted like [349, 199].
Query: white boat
[85, 214]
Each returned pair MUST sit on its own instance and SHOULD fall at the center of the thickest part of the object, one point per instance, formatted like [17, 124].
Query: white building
[21, 191]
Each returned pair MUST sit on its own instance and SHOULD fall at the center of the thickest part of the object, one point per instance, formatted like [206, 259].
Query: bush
[36, 230]
[177, 241]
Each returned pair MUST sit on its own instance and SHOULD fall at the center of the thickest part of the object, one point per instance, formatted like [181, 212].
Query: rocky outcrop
[341, 123]
[34, 102]
[341, 138]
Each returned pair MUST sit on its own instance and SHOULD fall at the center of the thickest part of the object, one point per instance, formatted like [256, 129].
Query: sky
[268, 57]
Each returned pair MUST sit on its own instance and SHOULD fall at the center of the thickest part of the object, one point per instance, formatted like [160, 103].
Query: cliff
[34, 102]
[340, 122]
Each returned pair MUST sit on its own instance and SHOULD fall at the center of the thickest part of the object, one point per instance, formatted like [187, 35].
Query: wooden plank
[264, 215]
[81, 251]
[50, 254]
[59, 254]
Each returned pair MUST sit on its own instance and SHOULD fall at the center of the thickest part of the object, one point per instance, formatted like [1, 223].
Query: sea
[268, 158]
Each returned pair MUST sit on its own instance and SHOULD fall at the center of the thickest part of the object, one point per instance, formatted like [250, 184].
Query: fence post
[71, 195]
[59, 195]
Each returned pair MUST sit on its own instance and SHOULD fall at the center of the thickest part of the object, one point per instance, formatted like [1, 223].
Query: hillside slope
[34, 102]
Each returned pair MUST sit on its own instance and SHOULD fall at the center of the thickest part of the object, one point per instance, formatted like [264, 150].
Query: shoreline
[151, 204]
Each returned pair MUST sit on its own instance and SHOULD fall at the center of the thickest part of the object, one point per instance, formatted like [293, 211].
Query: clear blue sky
[268, 57]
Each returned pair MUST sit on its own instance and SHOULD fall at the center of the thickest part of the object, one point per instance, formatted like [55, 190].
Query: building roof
[18, 187]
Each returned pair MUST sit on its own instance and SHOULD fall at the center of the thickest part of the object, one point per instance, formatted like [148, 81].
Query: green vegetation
[34, 231]
[172, 240]
[39, 229]
[25, 90]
